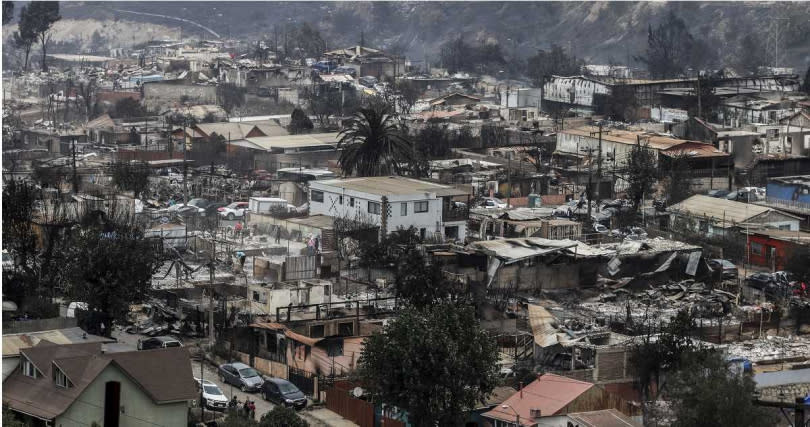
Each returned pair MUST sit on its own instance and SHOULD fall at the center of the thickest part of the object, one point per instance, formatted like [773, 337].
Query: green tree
[552, 62]
[373, 144]
[282, 416]
[751, 53]
[18, 211]
[42, 16]
[422, 284]
[8, 11]
[25, 36]
[620, 104]
[641, 174]
[111, 267]
[705, 392]
[230, 96]
[9, 417]
[299, 122]
[797, 263]
[129, 176]
[678, 178]
[323, 104]
[671, 49]
[434, 363]
[408, 93]
[128, 108]
[659, 349]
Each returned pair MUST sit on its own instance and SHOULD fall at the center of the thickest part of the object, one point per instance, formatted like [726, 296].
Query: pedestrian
[246, 407]
[310, 243]
[278, 234]
[316, 245]
[237, 229]
[252, 409]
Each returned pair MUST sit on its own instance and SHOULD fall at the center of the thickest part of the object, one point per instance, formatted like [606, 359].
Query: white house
[392, 202]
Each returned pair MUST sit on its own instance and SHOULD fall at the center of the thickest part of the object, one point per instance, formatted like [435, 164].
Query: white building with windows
[392, 202]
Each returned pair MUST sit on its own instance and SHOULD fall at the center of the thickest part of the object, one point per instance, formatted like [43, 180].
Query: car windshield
[727, 264]
[196, 202]
[172, 344]
[287, 388]
[248, 373]
[212, 389]
[233, 205]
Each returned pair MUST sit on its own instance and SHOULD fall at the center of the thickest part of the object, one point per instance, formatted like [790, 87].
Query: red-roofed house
[552, 395]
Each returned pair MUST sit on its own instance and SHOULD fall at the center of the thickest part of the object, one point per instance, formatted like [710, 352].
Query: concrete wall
[541, 276]
[138, 407]
[574, 144]
[159, 95]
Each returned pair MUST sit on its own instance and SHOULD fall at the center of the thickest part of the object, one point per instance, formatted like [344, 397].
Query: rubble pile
[771, 348]
[664, 302]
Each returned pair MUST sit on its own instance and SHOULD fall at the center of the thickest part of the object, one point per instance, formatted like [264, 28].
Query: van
[267, 204]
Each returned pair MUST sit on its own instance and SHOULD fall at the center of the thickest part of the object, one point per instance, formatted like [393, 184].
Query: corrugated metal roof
[549, 394]
[296, 141]
[603, 418]
[542, 324]
[655, 141]
[723, 211]
[512, 250]
[388, 185]
[13, 343]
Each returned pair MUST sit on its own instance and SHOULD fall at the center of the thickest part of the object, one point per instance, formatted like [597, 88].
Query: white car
[493, 203]
[601, 229]
[233, 211]
[212, 397]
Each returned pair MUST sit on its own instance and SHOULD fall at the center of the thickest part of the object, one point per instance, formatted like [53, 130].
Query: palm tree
[373, 144]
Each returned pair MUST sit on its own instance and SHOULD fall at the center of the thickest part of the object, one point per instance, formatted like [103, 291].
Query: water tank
[535, 201]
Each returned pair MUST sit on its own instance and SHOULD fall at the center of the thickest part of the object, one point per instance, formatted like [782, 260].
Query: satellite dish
[357, 392]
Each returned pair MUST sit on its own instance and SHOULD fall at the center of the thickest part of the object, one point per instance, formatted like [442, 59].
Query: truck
[267, 204]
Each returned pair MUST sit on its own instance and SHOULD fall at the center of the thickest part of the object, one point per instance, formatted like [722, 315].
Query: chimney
[521, 389]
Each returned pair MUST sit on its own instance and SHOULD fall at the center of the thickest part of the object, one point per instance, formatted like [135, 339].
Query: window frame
[60, 379]
[27, 366]
[403, 209]
[315, 199]
[417, 206]
[377, 207]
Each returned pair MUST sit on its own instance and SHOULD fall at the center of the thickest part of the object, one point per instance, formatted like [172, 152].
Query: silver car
[241, 375]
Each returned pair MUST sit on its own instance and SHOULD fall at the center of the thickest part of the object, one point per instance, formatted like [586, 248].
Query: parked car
[367, 81]
[213, 208]
[601, 229]
[241, 375]
[234, 210]
[719, 194]
[346, 70]
[493, 203]
[728, 268]
[212, 397]
[759, 280]
[158, 342]
[173, 175]
[284, 393]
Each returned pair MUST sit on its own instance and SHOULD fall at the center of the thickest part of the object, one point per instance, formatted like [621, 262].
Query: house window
[703, 226]
[403, 210]
[300, 351]
[346, 329]
[317, 196]
[756, 248]
[60, 378]
[351, 201]
[255, 296]
[340, 200]
[419, 207]
[374, 208]
[28, 369]
[335, 348]
[785, 227]
[316, 331]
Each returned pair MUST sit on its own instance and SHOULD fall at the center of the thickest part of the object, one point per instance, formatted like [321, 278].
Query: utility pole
[75, 177]
[700, 110]
[598, 167]
[211, 290]
[202, 380]
[185, 162]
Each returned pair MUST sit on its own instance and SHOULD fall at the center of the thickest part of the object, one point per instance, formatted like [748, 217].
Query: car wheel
[230, 217]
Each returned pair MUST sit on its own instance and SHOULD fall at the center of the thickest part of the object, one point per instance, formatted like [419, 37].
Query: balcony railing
[455, 213]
